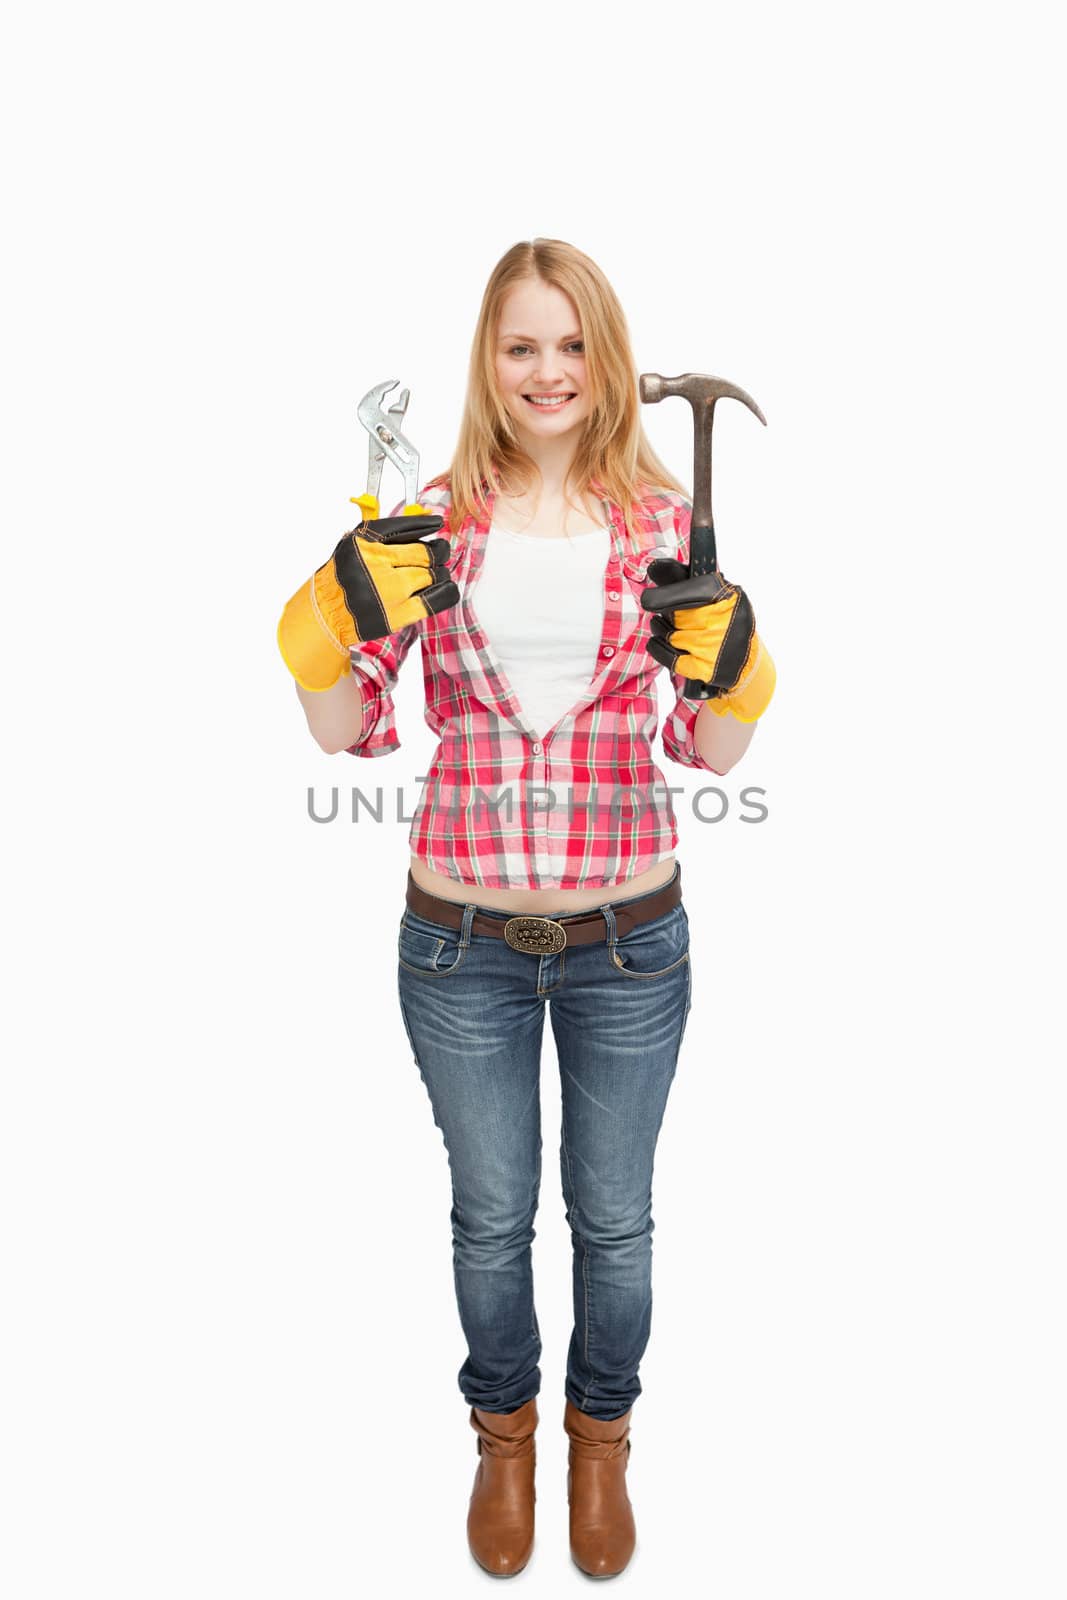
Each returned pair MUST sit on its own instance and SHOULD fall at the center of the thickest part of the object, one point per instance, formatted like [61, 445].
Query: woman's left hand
[714, 642]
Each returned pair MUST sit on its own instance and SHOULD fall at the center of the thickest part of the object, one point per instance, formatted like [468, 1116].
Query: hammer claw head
[699, 388]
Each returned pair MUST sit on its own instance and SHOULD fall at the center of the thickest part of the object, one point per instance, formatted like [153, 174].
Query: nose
[550, 369]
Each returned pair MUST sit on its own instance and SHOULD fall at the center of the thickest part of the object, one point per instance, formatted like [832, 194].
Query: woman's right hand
[381, 577]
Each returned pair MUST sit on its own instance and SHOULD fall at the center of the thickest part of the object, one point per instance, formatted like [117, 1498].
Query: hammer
[704, 582]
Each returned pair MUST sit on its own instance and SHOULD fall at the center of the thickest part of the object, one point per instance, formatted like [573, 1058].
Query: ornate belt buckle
[537, 936]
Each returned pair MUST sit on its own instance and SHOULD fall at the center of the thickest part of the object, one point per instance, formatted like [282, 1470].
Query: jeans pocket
[429, 948]
[653, 948]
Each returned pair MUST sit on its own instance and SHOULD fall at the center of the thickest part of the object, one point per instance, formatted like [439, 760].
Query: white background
[230, 1345]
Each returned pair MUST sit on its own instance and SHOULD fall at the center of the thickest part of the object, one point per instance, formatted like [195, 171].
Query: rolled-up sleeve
[679, 731]
[375, 668]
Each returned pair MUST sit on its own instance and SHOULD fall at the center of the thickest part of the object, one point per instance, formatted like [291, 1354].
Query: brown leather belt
[546, 935]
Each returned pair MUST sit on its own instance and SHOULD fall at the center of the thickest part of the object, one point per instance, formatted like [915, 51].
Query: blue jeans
[474, 1010]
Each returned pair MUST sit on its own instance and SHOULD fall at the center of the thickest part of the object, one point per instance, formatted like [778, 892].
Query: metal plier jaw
[386, 439]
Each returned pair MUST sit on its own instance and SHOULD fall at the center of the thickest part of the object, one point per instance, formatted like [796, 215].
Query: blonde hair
[614, 458]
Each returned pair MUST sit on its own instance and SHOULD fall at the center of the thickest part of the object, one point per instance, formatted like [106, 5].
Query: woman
[542, 866]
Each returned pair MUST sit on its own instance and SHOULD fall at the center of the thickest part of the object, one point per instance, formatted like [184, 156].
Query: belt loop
[609, 918]
[465, 927]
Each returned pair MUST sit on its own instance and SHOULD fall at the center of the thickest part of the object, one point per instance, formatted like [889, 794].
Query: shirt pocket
[635, 569]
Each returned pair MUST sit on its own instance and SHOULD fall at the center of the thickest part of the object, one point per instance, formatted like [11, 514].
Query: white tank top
[541, 603]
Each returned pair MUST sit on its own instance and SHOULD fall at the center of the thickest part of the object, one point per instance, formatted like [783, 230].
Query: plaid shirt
[506, 807]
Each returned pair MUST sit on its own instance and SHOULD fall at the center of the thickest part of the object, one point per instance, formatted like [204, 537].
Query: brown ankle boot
[500, 1522]
[601, 1516]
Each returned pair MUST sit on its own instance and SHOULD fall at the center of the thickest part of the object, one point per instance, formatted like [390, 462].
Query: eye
[576, 344]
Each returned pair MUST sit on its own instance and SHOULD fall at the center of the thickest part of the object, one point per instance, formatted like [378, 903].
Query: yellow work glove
[380, 577]
[712, 639]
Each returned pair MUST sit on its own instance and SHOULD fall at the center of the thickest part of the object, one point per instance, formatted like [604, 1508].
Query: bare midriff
[540, 902]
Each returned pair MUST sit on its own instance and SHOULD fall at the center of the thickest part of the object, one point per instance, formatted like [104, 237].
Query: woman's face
[540, 352]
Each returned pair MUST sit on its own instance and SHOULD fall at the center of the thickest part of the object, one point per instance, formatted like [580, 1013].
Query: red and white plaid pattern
[503, 806]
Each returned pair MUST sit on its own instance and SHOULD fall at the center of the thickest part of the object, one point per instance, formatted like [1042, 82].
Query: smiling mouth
[548, 402]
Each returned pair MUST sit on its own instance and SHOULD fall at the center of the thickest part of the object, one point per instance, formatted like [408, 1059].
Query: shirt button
[613, 594]
[608, 650]
[536, 748]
